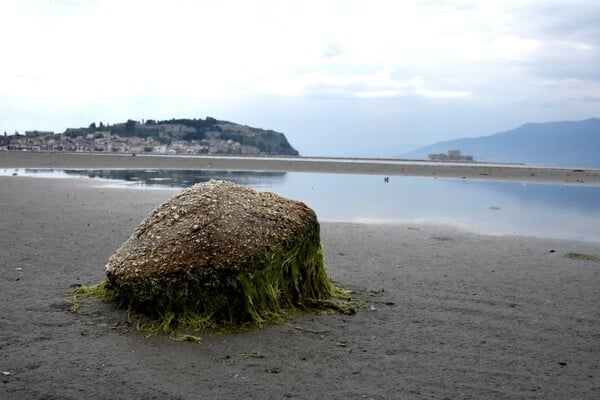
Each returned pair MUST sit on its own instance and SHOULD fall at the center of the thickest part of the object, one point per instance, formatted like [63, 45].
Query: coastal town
[104, 141]
[182, 136]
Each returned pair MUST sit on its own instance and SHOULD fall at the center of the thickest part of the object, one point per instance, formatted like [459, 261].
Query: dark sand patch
[582, 257]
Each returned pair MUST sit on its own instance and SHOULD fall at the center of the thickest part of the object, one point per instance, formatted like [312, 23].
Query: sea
[482, 206]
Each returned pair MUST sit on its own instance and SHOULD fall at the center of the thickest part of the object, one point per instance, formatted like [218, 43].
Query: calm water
[498, 208]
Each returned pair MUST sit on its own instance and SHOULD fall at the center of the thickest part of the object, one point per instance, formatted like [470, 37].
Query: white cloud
[216, 48]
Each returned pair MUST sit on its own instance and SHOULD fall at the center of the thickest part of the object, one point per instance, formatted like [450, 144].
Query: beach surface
[385, 167]
[450, 314]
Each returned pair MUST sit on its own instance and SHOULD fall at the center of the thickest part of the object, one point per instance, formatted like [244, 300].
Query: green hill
[212, 135]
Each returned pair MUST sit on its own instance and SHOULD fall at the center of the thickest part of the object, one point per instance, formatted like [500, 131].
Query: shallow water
[497, 208]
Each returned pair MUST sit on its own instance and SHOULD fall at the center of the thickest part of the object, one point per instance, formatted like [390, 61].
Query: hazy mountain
[568, 143]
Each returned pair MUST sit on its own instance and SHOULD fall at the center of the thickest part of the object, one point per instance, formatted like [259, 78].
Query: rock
[219, 253]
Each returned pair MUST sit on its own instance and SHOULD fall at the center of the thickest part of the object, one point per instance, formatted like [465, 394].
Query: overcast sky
[339, 78]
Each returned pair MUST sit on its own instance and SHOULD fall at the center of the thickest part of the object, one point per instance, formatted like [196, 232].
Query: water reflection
[177, 178]
[498, 208]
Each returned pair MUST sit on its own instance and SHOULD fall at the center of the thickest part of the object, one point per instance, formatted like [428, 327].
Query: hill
[213, 135]
[566, 143]
[189, 136]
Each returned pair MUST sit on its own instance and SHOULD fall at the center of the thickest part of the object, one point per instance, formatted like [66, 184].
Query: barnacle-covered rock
[219, 253]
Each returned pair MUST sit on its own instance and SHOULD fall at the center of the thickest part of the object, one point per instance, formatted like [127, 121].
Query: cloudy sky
[339, 78]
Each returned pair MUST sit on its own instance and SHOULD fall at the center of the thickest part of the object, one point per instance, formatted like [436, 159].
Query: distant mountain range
[566, 143]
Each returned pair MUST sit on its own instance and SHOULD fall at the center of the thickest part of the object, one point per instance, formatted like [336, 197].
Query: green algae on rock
[219, 254]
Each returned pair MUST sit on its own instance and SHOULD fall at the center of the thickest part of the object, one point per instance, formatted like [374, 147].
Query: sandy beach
[384, 167]
[451, 314]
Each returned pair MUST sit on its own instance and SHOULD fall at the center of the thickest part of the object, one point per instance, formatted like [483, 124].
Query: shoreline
[475, 226]
[450, 314]
[385, 167]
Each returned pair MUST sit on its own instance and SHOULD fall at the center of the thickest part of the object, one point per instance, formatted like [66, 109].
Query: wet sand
[451, 314]
[385, 167]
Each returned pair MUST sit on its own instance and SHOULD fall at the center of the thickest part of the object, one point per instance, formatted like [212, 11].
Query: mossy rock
[220, 254]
